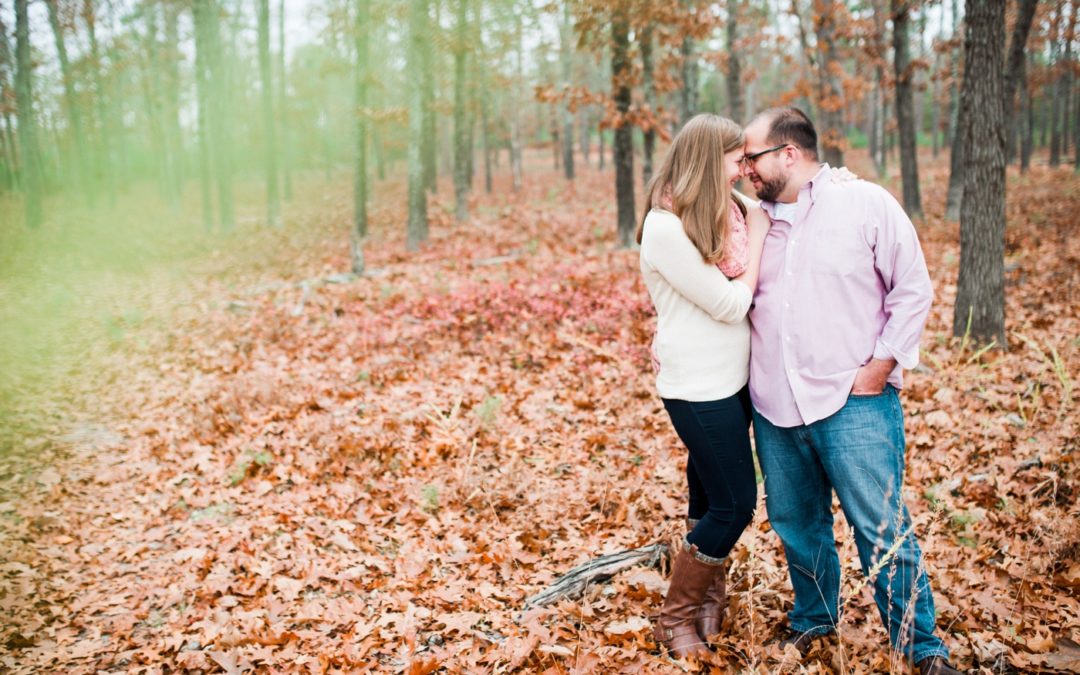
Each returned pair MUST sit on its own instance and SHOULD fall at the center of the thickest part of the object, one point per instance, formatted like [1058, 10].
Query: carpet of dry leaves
[274, 467]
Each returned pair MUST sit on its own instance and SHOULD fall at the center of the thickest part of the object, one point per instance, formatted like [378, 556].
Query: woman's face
[733, 165]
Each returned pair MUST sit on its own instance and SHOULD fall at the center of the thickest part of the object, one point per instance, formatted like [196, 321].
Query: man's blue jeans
[859, 452]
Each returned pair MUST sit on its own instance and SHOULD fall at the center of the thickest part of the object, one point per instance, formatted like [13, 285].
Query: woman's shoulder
[660, 221]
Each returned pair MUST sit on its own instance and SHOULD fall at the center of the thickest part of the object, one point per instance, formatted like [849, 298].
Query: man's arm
[899, 260]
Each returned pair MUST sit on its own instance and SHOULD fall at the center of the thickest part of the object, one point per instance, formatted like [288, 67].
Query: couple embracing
[798, 313]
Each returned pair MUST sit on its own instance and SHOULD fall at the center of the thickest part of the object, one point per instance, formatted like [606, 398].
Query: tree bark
[980, 295]
[688, 99]
[283, 103]
[624, 143]
[429, 122]
[957, 167]
[7, 134]
[31, 160]
[734, 64]
[649, 85]
[461, 147]
[1015, 69]
[515, 115]
[362, 36]
[566, 56]
[1027, 118]
[1057, 85]
[220, 115]
[174, 138]
[203, 93]
[905, 116]
[273, 200]
[418, 34]
[830, 93]
[71, 106]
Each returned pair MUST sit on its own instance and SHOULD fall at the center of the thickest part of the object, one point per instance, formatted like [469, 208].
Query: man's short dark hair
[791, 125]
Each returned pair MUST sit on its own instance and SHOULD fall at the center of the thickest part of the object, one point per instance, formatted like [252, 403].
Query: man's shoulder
[851, 193]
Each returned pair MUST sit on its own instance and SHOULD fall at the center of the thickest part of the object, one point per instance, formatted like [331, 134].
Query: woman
[696, 230]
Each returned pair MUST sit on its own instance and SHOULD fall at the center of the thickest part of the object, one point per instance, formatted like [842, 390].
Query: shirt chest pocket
[840, 252]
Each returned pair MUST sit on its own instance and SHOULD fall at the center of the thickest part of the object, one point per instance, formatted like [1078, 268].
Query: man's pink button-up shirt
[844, 283]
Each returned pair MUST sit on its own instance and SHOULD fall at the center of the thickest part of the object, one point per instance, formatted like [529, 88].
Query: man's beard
[771, 188]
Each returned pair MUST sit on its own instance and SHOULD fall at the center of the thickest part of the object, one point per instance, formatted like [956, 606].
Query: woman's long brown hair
[693, 170]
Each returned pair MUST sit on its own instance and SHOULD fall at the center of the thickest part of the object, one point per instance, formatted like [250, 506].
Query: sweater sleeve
[666, 247]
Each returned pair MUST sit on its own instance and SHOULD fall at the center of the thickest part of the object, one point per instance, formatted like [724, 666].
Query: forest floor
[220, 455]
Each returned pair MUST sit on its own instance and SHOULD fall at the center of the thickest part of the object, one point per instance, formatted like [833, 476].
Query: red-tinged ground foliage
[274, 468]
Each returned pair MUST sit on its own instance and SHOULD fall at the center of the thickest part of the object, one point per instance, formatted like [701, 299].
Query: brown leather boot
[676, 627]
[936, 665]
[711, 614]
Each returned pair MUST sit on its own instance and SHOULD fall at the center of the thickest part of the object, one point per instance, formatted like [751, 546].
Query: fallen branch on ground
[573, 584]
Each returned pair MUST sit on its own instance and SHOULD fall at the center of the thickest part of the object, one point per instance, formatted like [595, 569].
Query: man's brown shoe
[936, 665]
[802, 642]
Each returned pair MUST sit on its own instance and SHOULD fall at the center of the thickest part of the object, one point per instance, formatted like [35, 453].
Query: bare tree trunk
[203, 93]
[461, 148]
[71, 106]
[362, 36]
[418, 35]
[515, 116]
[955, 193]
[566, 55]
[171, 120]
[283, 109]
[273, 200]
[31, 160]
[954, 95]
[905, 117]
[734, 64]
[980, 293]
[11, 157]
[648, 84]
[830, 94]
[1027, 118]
[431, 140]
[688, 99]
[1058, 88]
[624, 140]
[1015, 69]
[584, 133]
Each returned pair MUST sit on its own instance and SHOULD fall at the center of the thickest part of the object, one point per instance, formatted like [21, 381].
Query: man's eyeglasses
[750, 160]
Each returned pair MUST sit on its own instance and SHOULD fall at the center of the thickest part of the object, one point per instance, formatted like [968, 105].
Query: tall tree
[270, 155]
[31, 161]
[10, 152]
[202, 100]
[362, 72]
[104, 161]
[430, 121]
[734, 64]
[621, 73]
[566, 61]
[71, 105]
[418, 35]
[1015, 70]
[688, 99]
[830, 95]
[905, 115]
[980, 293]
[1027, 118]
[283, 102]
[649, 85]
[957, 166]
[462, 149]
[211, 80]
[1058, 86]
[174, 138]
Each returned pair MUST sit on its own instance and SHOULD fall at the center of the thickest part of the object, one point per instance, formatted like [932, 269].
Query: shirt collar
[820, 179]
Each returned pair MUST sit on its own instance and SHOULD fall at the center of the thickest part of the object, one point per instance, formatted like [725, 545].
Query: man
[842, 299]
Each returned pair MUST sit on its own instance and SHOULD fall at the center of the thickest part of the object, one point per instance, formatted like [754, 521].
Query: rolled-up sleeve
[900, 262]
